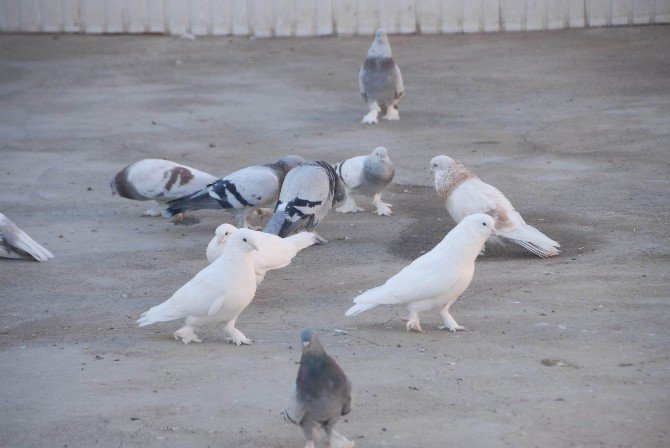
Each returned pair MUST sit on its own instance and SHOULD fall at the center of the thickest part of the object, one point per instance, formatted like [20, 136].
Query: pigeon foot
[413, 323]
[237, 337]
[187, 334]
[392, 114]
[370, 117]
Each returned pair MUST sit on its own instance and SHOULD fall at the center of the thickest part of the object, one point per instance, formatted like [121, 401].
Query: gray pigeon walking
[15, 243]
[309, 192]
[464, 194]
[368, 175]
[243, 191]
[380, 81]
[322, 394]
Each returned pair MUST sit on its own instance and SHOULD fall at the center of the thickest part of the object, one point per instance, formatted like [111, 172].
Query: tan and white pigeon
[464, 194]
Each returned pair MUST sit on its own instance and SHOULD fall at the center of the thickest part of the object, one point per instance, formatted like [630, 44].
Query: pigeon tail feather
[359, 308]
[275, 223]
[197, 201]
[531, 239]
[302, 240]
[160, 313]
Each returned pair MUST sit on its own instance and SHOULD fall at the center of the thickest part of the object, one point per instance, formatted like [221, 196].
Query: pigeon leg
[449, 322]
[234, 335]
[413, 323]
[349, 206]
[309, 428]
[154, 210]
[392, 113]
[371, 117]
[383, 208]
[337, 440]
[187, 334]
[241, 215]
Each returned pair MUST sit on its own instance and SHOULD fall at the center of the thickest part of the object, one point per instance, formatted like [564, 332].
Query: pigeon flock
[302, 193]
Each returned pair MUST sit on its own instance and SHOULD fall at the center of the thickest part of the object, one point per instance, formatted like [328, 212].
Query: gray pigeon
[380, 81]
[244, 191]
[368, 175]
[309, 192]
[15, 243]
[160, 180]
[322, 394]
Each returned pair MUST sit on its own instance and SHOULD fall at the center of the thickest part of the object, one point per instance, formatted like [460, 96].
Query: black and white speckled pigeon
[310, 190]
[158, 180]
[368, 175]
[243, 191]
[380, 81]
[322, 394]
[15, 243]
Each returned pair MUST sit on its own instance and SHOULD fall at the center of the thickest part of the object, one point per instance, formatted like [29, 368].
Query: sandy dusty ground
[573, 126]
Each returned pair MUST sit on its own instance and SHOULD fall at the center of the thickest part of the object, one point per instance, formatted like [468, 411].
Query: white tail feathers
[531, 239]
[302, 240]
[159, 313]
[31, 247]
[359, 308]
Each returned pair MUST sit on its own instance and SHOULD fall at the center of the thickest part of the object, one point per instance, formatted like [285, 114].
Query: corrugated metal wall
[264, 18]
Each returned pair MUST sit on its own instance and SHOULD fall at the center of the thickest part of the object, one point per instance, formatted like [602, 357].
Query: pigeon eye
[244, 239]
[484, 223]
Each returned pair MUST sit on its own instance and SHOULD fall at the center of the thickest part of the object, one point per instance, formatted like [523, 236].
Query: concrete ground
[574, 126]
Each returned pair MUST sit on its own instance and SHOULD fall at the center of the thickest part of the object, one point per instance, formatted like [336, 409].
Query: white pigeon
[243, 191]
[218, 293]
[436, 279]
[15, 243]
[368, 175]
[160, 180]
[464, 194]
[273, 252]
[380, 81]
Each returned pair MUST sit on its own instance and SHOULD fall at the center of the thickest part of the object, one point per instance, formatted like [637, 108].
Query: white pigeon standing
[218, 293]
[309, 191]
[244, 190]
[464, 194]
[273, 252]
[15, 243]
[435, 279]
[158, 180]
[380, 81]
[368, 175]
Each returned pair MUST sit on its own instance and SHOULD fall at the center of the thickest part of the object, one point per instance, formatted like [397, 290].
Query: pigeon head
[441, 163]
[291, 161]
[480, 223]
[380, 152]
[244, 239]
[224, 231]
[310, 341]
[380, 47]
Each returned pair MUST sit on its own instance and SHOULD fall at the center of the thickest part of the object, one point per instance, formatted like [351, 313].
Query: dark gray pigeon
[310, 190]
[15, 243]
[322, 394]
[380, 81]
[368, 175]
[243, 191]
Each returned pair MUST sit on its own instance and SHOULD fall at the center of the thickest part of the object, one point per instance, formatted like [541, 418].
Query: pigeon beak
[253, 246]
[494, 232]
[432, 171]
[305, 344]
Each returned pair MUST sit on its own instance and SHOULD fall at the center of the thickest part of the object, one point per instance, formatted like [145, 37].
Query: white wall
[321, 17]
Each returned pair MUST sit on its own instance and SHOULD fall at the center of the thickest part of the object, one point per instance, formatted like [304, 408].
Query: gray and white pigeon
[380, 81]
[273, 252]
[310, 190]
[464, 194]
[218, 293]
[322, 394]
[160, 180]
[244, 190]
[15, 243]
[435, 279]
[368, 175]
